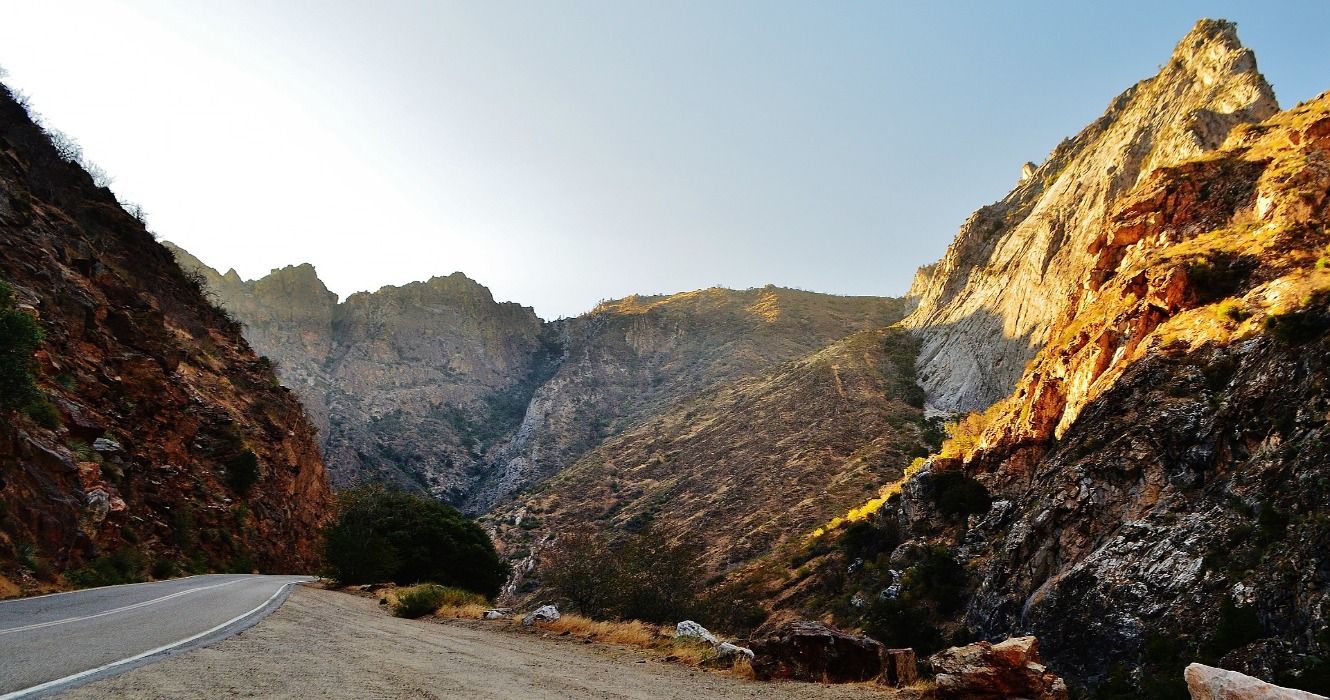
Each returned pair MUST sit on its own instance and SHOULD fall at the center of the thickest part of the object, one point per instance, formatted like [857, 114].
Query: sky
[566, 152]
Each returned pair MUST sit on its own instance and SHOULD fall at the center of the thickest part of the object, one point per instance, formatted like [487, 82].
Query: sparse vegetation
[122, 566]
[19, 338]
[425, 599]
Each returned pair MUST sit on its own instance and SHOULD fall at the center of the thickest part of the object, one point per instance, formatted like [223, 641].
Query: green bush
[123, 566]
[19, 338]
[164, 568]
[424, 599]
[384, 535]
[242, 472]
[958, 495]
[43, 413]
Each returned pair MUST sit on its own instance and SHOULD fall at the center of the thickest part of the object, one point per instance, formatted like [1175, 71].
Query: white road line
[126, 608]
[98, 588]
[165, 647]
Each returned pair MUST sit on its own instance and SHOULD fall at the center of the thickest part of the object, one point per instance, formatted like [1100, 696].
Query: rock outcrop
[1008, 669]
[811, 651]
[160, 441]
[1210, 683]
[1015, 268]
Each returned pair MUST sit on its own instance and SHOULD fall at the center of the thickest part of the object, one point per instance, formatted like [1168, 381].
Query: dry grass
[465, 611]
[631, 633]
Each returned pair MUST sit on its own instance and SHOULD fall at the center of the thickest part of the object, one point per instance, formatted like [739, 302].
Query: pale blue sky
[565, 152]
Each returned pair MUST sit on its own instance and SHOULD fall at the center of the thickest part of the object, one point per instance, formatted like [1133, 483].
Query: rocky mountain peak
[1015, 266]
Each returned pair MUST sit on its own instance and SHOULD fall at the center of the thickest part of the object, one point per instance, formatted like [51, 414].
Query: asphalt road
[52, 643]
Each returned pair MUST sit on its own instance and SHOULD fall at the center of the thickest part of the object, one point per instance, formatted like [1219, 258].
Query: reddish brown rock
[811, 651]
[1009, 669]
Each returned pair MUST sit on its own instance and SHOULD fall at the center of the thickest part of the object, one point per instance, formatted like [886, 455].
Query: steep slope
[634, 358]
[435, 385]
[749, 464]
[988, 305]
[1160, 475]
[159, 436]
[408, 385]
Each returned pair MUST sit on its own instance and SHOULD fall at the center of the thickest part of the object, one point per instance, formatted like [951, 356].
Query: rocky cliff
[434, 385]
[988, 305]
[158, 440]
[1153, 489]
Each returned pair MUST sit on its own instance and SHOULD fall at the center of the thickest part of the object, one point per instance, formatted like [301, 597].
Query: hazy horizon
[561, 155]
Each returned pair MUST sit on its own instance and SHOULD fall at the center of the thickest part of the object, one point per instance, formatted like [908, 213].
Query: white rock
[1210, 683]
[725, 650]
[691, 629]
[496, 613]
[544, 613]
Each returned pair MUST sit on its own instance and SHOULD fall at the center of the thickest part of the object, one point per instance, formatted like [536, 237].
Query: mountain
[156, 436]
[1153, 488]
[747, 465]
[1014, 269]
[435, 386]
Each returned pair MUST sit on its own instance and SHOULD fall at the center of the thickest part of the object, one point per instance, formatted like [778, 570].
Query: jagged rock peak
[1016, 265]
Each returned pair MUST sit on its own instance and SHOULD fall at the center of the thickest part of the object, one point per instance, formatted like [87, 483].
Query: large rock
[692, 630]
[811, 651]
[1009, 669]
[1210, 683]
[544, 613]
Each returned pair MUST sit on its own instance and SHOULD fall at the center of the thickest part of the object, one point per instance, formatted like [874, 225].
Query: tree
[391, 535]
[581, 570]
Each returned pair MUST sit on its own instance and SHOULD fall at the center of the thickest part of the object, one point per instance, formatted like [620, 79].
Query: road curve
[55, 642]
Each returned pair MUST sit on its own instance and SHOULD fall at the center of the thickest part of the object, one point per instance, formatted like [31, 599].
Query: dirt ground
[327, 644]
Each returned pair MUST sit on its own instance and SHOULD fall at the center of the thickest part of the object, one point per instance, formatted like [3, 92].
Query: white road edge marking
[165, 647]
[104, 613]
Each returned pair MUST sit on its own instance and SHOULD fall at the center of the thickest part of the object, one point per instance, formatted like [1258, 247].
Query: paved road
[51, 643]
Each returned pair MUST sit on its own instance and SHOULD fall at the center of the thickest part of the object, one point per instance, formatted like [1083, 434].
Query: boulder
[544, 613]
[726, 651]
[1210, 683]
[1009, 669]
[106, 446]
[692, 630]
[496, 613]
[811, 651]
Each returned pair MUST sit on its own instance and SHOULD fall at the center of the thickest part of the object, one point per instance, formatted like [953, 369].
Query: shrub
[898, 624]
[123, 566]
[424, 599]
[1218, 275]
[242, 472]
[164, 568]
[958, 495]
[1295, 327]
[645, 577]
[1237, 627]
[390, 535]
[19, 338]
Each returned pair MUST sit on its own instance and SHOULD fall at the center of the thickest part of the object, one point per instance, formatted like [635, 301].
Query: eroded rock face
[1210, 683]
[989, 304]
[811, 651]
[153, 395]
[434, 385]
[1008, 669]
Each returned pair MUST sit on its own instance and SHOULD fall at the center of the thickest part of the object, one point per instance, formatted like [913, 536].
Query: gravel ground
[327, 644]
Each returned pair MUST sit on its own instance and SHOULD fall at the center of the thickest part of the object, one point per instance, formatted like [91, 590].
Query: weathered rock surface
[544, 613]
[153, 391]
[692, 630]
[811, 651]
[434, 385]
[1008, 669]
[1210, 683]
[989, 304]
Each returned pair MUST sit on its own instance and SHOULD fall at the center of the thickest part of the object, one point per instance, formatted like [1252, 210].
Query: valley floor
[328, 644]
